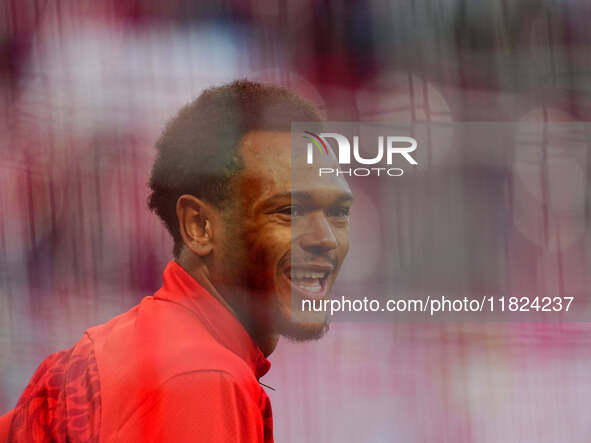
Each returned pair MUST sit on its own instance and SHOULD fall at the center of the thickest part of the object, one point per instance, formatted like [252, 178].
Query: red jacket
[177, 367]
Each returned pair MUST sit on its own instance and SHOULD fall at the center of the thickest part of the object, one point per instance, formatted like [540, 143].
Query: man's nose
[318, 237]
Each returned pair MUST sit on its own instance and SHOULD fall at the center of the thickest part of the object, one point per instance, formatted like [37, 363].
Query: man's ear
[195, 224]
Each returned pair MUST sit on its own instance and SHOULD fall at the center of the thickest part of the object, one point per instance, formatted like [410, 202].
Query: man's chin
[295, 324]
[302, 331]
[302, 326]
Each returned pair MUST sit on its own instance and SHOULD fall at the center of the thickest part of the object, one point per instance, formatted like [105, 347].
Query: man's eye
[341, 211]
[292, 211]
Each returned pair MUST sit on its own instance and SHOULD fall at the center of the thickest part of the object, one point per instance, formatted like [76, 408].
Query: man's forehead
[258, 146]
[266, 158]
[271, 166]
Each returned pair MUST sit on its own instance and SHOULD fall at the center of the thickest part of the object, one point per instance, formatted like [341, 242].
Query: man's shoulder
[157, 347]
[164, 336]
[154, 342]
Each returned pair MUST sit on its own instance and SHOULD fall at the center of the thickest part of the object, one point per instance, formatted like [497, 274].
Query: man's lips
[310, 279]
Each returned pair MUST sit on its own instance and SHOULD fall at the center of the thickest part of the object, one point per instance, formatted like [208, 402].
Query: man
[254, 235]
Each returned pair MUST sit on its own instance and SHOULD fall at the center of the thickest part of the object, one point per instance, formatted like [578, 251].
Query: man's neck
[266, 342]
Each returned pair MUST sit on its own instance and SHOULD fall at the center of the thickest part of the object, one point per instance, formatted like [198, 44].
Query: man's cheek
[262, 268]
[343, 242]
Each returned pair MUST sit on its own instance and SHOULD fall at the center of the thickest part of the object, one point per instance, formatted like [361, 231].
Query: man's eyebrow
[304, 195]
[344, 198]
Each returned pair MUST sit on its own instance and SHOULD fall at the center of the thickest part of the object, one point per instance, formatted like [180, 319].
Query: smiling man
[255, 232]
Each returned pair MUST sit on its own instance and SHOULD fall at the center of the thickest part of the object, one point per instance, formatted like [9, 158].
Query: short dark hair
[198, 149]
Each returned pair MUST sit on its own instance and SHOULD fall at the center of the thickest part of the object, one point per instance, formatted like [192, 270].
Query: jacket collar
[181, 288]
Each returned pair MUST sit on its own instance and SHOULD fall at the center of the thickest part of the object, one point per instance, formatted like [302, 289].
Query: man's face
[286, 234]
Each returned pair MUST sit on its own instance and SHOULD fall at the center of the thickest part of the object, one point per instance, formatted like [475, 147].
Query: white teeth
[300, 274]
[306, 280]
[311, 286]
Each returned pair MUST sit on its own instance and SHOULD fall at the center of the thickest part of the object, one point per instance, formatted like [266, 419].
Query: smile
[311, 281]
